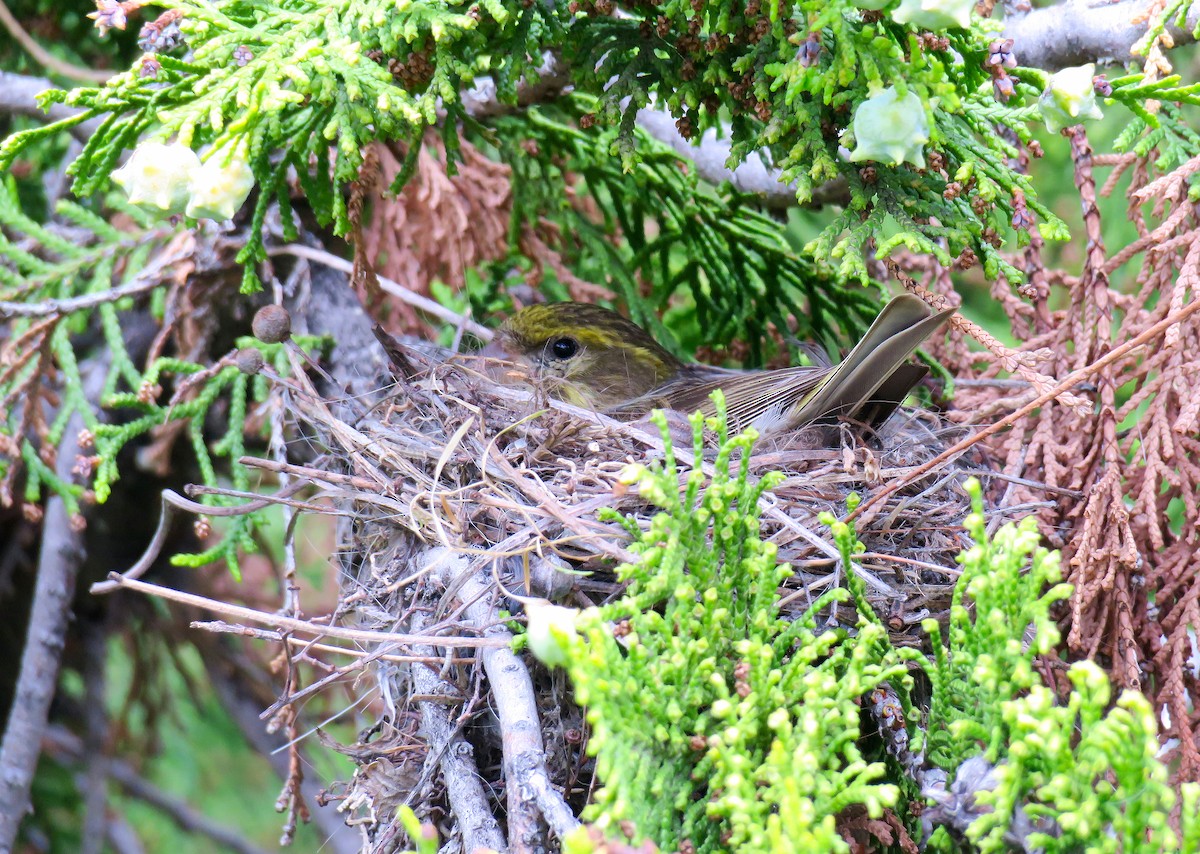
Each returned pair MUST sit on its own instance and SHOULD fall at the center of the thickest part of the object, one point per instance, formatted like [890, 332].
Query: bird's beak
[497, 362]
[494, 350]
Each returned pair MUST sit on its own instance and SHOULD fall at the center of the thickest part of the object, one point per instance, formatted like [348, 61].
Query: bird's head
[584, 354]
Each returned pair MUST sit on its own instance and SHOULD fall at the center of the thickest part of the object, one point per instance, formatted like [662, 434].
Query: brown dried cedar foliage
[865, 834]
[1124, 446]
[440, 226]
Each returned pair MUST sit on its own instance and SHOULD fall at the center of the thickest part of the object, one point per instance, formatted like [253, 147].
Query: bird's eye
[564, 348]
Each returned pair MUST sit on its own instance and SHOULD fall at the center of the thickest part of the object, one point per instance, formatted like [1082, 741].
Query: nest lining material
[482, 489]
[500, 472]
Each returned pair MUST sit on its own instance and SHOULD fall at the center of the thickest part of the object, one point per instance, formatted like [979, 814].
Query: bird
[593, 357]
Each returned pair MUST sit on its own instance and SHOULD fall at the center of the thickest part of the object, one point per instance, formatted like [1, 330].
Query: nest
[466, 493]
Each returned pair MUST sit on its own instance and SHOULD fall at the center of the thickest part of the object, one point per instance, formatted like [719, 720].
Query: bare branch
[147, 280]
[172, 504]
[18, 95]
[122, 837]
[58, 562]
[43, 57]
[395, 289]
[481, 100]
[955, 805]
[454, 754]
[220, 627]
[520, 731]
[1076, 32]
[710, 156]
[93, 783]
[752, 176]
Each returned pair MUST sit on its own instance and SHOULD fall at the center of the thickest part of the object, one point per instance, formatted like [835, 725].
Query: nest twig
[463, 489]
[458, 490]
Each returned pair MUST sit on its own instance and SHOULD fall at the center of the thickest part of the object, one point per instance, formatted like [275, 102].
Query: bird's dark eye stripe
[564, 348]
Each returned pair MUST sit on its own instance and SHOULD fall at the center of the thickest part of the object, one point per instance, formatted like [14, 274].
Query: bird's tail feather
[876, 365]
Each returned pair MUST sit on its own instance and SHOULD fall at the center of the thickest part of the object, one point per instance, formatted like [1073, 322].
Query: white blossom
[221, 184]
[158, 177]
[891, 129]
[1070, 98]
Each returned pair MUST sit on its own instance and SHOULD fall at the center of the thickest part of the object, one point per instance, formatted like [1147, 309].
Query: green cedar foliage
[729, 261]
[297, 89]
[717, 722]
[714, 719]
[999, 620]
[303, 86]
[84, 256]
[1088, 766]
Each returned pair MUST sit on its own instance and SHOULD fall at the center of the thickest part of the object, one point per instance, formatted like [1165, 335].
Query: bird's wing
[868, 385]
[888, 397]
[876, 364]
[752, 398]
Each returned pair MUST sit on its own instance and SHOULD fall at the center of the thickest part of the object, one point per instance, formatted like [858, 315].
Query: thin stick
[147, 280]
[171, 502]
[324, 510]
[1072, 379]
[388, 286]
[908, 561]
[309, 472]
[221, 627]
[46, 59]
[329, 678]
[251, 616]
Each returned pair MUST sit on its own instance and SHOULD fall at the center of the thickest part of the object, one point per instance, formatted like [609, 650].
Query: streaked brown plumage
[593, 357]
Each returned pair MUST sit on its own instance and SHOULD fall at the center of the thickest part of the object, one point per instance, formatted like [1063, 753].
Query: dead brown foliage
[440, 225]
[1125, 438]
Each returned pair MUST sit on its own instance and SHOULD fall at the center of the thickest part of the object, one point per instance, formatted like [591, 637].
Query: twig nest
[272, 324]
[504, 473]
[465, 493]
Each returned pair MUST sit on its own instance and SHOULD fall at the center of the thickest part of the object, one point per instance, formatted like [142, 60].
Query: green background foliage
[751, 737]
[307, 86]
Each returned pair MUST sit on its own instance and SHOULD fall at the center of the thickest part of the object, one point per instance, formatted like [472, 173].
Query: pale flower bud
[891, 129]
[1070, 98]
[221, 185]
[551, 631]
[157, 177]
[934, 14]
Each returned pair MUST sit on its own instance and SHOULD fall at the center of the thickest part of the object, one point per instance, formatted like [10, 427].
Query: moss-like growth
[715, 721]
[718, 724]
[990, 653]
[1084, 772]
